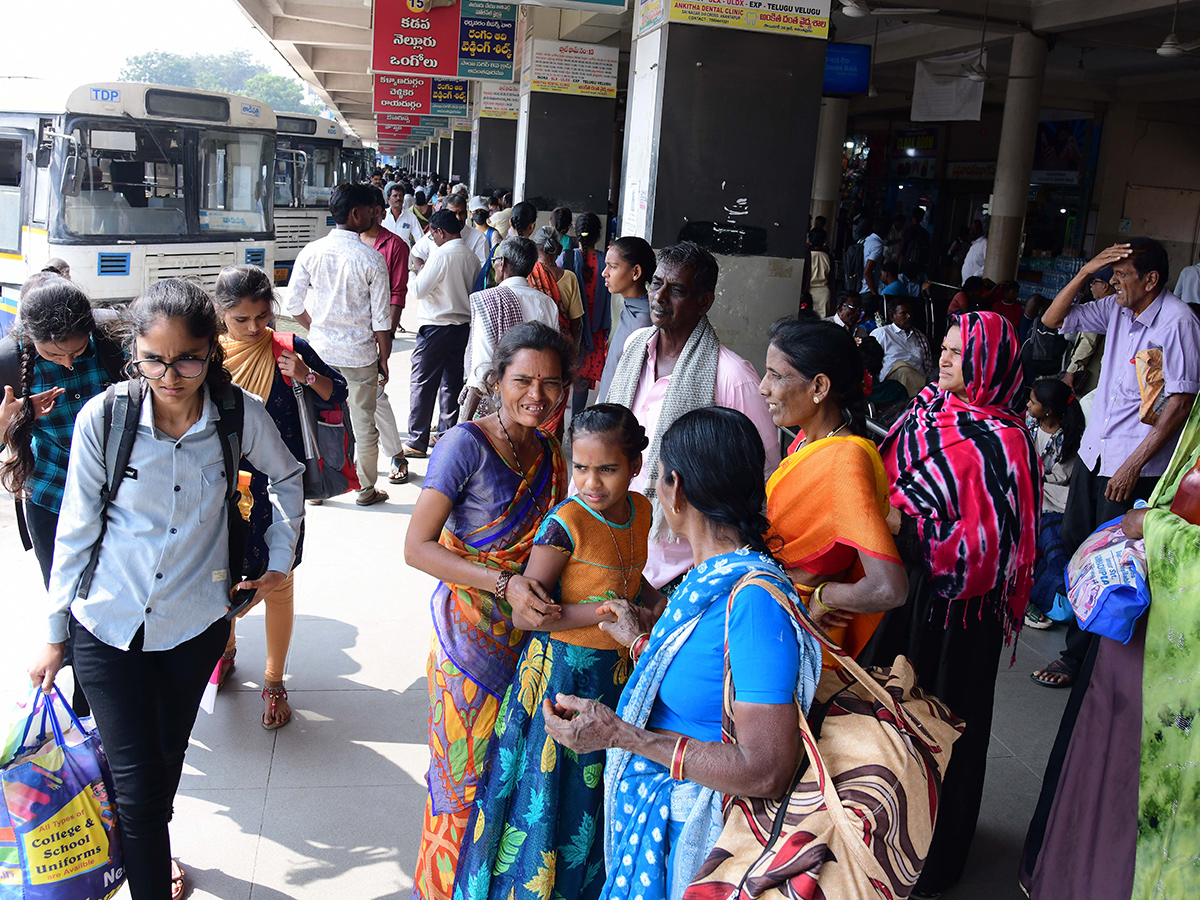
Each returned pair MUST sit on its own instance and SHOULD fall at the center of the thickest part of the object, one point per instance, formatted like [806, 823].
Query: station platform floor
[331, 805]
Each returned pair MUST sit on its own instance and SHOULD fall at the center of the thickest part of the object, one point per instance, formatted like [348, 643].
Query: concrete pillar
[1014, 165]
[493, 154]
[827, 172]
[460, 154]
[694, 166]
[563, 142]
[445, 163]
[1116, 151]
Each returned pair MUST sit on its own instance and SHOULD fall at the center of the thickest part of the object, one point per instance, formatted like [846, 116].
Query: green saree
[1168, 837]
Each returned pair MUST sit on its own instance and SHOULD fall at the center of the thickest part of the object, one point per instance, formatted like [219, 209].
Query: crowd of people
[588, 551]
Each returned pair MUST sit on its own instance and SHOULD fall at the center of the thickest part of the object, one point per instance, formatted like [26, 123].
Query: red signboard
[451, 38]
[419, 95]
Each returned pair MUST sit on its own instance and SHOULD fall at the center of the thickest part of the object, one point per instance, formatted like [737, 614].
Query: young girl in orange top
[542, 802]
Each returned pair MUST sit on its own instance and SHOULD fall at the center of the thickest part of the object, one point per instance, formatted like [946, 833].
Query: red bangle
[639, 645]
[681, 746]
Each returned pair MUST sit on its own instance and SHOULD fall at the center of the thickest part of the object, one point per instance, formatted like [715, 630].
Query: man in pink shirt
[395, 253]
[678, 365]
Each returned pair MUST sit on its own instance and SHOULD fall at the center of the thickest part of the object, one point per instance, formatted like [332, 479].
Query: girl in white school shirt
[151, 627]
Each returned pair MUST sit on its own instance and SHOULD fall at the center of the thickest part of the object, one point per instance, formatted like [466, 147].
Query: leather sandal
[377, 496]
[275, 694]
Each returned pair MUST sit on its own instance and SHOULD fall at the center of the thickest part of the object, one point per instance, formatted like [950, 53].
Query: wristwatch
[311, 379]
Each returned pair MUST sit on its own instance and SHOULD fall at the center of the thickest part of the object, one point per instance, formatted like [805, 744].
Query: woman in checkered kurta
[61, 357]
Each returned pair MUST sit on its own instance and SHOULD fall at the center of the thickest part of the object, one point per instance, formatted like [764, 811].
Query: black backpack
[853, 264]
[916, 253]
[122, 410]
[1045, 351]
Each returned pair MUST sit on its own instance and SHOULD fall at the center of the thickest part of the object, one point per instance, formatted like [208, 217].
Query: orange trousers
[279, 616]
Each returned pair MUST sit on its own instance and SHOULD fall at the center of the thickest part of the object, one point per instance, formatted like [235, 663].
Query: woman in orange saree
[828, 501]
[488, 486]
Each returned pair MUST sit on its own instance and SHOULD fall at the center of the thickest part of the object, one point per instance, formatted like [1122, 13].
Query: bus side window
[10, 195]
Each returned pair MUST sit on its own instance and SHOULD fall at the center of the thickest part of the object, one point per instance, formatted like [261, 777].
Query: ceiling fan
[977, 71]
[1171, 47]
[858, 9]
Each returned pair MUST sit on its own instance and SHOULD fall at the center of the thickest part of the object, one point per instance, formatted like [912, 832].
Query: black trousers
[43, 524]
[1088, 509]
[145, 704]
[437, 373]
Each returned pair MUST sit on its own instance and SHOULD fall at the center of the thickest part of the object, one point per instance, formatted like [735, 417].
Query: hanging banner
[943, 92]
[452, 38]
[420, 95]
[806, 18]
[499, 101]
[559, 67]
[413, 121]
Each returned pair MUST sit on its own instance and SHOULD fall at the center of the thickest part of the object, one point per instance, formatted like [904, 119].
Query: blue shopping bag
[59, 837]
[1106, 582]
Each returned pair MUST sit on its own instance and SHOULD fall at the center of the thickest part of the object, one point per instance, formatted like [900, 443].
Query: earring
[816, 399]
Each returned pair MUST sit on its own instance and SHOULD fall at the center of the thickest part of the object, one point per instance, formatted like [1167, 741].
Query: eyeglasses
[184, 368]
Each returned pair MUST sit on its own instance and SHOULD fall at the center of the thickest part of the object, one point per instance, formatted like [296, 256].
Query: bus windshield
[132, 181]
[140, 179]
[235, 172]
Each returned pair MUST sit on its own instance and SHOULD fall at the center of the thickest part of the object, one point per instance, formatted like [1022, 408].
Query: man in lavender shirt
[1120, 458]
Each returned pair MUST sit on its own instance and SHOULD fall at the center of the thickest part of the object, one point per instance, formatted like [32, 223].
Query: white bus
[130, 183]
[309, 161]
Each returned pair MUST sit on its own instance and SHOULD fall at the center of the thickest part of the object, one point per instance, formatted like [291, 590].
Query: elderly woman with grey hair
[495, 310]
[557, 283]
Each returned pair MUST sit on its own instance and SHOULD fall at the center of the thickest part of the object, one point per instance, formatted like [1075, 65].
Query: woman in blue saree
[667, 765]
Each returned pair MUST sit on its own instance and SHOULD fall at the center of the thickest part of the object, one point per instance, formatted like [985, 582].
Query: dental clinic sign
[420, 95]
[452, 38]
[808, 18]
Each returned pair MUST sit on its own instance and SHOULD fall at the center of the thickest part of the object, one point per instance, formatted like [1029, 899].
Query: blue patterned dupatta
[639, 795]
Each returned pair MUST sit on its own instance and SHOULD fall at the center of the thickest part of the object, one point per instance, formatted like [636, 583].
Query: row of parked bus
[130, 183]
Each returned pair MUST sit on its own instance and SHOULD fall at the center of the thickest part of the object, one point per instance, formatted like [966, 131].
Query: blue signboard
[847, 68]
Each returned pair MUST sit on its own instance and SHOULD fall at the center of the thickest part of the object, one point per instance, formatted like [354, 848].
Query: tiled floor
[331, 806]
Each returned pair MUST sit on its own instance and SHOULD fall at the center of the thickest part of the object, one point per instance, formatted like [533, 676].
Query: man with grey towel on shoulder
[677, 365]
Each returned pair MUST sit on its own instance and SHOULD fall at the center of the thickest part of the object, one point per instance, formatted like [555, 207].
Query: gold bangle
[816, 595]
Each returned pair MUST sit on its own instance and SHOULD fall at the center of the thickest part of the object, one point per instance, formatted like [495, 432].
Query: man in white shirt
[403, 221]
[873, 250]
[340, 292]
[1187, 286]
[443, 290]
[496, 310]
[906, 355]
[976, 253]
[474, 239]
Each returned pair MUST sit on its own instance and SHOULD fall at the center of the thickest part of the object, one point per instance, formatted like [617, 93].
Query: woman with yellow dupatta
[488, 486]
[245, 299]
[828, 501]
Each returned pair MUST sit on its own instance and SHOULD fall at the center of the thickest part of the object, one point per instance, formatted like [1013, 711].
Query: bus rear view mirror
[72, 176]
[42, 157]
